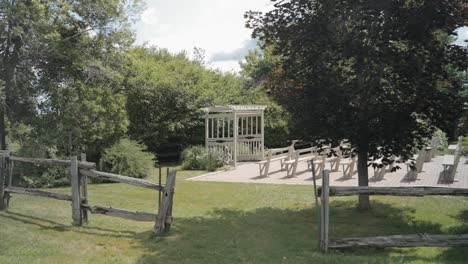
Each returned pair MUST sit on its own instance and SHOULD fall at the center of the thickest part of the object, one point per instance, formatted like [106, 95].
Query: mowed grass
[224, 223]
[464, 143]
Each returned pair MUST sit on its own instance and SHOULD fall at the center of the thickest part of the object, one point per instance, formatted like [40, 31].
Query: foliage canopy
[378, 73]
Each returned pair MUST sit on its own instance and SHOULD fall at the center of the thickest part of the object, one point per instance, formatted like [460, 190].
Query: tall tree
[374, 72]
[165, 94]
[18, 40]
[47, 47]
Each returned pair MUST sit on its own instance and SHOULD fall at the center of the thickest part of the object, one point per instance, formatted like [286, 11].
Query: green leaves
[62, 63]
[128, 157]
[166, 92]
[95, 114]
[372, 72]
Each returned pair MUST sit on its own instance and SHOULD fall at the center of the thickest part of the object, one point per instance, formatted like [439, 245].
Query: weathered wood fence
[80, 171]
[414, 240]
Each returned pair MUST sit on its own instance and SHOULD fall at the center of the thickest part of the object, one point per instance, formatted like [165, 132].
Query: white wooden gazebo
[236, 131]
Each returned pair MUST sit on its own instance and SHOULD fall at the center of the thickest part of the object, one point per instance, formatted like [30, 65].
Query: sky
[216, 26]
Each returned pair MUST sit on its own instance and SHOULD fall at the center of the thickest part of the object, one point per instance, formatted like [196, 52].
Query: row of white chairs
[316, 160]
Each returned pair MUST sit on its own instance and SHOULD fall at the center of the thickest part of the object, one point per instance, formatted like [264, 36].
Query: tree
[165, 95]
[373, 72]
[19, 38]
[258, 67]
[52, 48]
[87, 119]
[259, 70]
[463, 75]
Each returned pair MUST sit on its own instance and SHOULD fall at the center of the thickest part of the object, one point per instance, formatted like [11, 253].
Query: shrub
[198, 158]
[31, 175]
[128, 157]
[47, 177]
[439, 140]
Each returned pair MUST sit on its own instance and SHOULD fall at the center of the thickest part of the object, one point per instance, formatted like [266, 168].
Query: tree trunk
[363, 178]
[3, 145]
[363, 133]
[10, 61]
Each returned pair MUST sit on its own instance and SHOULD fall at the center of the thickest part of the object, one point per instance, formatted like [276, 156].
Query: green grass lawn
[224, 223]
[464, 143]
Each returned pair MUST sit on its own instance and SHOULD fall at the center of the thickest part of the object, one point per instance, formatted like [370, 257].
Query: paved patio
[430, 176]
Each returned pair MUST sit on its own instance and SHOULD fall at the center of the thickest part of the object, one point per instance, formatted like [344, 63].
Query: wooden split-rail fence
[414, 240]
[80, 171]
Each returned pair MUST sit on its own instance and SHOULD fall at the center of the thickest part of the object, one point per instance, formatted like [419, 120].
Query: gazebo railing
[224, 149]
[236, 132]
[249, 148]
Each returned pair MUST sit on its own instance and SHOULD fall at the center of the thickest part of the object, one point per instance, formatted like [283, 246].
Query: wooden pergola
[235, 131]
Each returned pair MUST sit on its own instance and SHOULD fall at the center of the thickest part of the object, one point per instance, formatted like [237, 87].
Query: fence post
[2, 183]
[11, 164]
[317, 209]
[76, 201]
[168, 221]
[324, 197]
[164, 219]
[84, 190]
[159, 191]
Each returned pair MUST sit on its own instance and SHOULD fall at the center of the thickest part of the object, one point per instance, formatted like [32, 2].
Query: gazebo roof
[234, 109]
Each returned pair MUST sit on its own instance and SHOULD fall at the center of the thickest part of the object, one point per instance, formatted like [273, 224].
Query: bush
[128, 157]
[439, 140]
[28, 175]
[49, 177]
[198, 158]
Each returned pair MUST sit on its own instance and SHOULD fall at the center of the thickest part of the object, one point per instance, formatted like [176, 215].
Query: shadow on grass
[272, 235]
[47, 224]
[453, 254]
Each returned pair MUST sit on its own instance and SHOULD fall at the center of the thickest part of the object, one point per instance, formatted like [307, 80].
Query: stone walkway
[430, 176]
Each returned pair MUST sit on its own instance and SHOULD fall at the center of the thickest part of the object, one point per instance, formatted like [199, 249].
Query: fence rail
[36, 192]
[79, 171]
[411, 240]
[54, 162]
[417, 240]
[395, 191]
[122, 179]
[135, 216]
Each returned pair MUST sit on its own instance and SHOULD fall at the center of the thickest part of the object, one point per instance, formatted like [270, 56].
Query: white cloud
[226, 66]
[237, 54]
[164, 27]
[149, 17]
[462, 36]
[216, 26]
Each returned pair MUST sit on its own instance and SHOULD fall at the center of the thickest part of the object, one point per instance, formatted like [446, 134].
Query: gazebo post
[236, 131]
[263, 134]
[206, 131]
